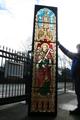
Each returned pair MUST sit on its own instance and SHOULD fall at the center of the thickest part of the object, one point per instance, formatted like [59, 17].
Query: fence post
[65, 84]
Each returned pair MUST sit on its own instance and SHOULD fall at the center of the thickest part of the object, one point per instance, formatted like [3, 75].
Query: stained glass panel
[43, 93]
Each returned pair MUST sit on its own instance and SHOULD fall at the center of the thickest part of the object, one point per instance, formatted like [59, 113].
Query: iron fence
[65, 82]
[14, 80]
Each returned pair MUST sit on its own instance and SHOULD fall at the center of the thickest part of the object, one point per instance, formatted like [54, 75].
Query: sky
[16, 22]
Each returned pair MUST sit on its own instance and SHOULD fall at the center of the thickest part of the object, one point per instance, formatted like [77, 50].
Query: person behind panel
[75, 70]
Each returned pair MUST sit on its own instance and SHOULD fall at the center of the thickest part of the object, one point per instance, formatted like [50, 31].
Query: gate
[13, 76]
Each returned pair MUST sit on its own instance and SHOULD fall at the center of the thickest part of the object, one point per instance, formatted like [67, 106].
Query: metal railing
[13, 76]
[65, 82]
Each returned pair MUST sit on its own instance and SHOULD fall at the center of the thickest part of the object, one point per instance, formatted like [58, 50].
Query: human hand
[58, 43]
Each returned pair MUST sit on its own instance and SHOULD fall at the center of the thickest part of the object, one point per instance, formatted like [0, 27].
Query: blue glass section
[40, 25]
[52, 26]
[45, 12]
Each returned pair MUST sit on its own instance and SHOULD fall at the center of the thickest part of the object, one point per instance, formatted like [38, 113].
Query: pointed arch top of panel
[45, 15]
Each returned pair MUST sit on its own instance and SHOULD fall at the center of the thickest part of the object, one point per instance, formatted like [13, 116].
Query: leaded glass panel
[43, 93]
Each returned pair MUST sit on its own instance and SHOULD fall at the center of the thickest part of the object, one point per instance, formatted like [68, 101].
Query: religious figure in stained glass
[44, 62]
[44, 58]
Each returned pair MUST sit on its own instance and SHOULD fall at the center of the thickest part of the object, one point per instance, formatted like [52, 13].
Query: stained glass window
[44, 61]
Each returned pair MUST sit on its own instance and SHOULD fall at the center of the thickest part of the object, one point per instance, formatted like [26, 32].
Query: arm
[66, 52]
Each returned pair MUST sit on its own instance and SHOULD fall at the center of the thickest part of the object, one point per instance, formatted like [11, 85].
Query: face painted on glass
[45, 47]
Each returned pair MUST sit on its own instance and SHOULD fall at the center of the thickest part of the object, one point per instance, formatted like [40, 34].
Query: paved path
[18, 111]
